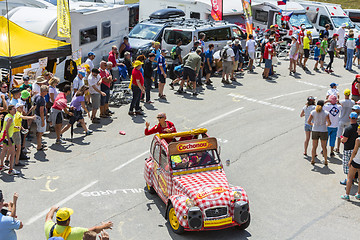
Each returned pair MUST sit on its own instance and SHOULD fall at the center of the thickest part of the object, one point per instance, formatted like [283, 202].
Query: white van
[217, 33]
[354, 15]
[321, 14]
[267, 13]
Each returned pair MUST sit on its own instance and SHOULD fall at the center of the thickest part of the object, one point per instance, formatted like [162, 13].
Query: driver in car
[202, 158]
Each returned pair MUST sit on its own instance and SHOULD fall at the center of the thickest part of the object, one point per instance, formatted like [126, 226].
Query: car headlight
[189, 203]
[237, 195]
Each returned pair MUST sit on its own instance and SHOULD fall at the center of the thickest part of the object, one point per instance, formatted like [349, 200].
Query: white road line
[312, 84]
[261, 102]
[130, 161]
[289, 94]
[62, 202]
[219, 117]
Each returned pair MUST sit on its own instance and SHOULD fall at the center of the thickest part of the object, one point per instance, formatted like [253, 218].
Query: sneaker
[131, 113]
[95, 120]
[89, 132]
[332, 154]
[13, 172]
[208, 83]
[172, 86]
[327, 71]
[109, 111]
[149, 102]
[59, 141]
[3, 168]
[330, 70]
[223, 80]
[343, 182]
[104, 116]
[139, 113]
[195, 94]
[357, 196]
[345, 197]
[210, 80]
[24, 157]
[180, 91]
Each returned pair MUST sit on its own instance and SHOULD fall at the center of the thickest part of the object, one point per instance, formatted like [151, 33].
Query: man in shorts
[228, 61]
[95, 93]
[106, 80]
[209, 63]
[268, 55]
[40, 113]
[301, 43]
[162, 73]
[307, 41]
[250, 51]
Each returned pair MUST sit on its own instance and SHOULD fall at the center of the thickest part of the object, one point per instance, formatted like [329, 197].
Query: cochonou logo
[193, 146]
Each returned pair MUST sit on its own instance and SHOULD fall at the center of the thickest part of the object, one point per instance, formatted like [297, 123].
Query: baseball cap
[333, 84]
[276, 25]
[333, 99]
[308, 32]
[335, 34]
[353, 115]
[82, 73]
[317, 43]
[272, 26]
[137, 63]
[63, 214]
[347, 92]
[236, 41]
[229, 43]
[310, 98]
[19, 104]
[302, 26]
[357, 76]
[26, 78]
[356, 107]
[25, 94]
[91, 54]
[164, 51]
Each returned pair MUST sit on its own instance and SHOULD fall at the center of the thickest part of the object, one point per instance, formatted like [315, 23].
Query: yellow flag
[63, 19]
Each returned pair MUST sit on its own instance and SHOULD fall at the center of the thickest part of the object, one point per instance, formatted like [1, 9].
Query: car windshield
[338, 21]
[195, 159]
[145, 31]
[297, 19]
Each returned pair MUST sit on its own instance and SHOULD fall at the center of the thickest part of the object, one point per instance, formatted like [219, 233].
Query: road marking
[289, 94]
[312, 84]
[219, 117]
[62, 202]
[47, 184]
[112, 192]
[262, 102]
[222, 140]
[130, 161]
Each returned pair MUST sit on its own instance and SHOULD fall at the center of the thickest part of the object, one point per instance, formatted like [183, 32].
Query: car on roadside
[186, 172]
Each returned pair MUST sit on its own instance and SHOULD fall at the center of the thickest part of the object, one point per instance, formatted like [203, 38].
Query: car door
[164, 176]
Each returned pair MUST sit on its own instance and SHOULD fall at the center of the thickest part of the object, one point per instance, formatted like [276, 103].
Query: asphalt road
[258, 126]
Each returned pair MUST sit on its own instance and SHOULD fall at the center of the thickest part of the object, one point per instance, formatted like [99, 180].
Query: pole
[222, 10]
[8, 25]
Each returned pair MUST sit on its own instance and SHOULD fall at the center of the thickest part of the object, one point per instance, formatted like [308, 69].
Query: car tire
[173, 221]
[150, 189]
[245, 224]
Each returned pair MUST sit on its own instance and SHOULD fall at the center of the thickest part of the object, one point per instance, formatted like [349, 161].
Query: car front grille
[216, 212]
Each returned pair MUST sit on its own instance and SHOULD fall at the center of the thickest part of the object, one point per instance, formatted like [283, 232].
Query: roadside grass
[345, 4]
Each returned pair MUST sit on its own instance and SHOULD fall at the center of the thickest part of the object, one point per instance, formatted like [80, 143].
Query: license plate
[218, 222]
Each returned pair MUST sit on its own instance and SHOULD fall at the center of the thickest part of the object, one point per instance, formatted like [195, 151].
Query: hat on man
[63, 214]
[91, 54]
[347, 92]
[317, 43]
[333, 84]
[302, 26]
[276, 25]
[308, 32]
[40, 80]
[229, 43]
[26, 78]
[82, 73]
[356, 107]
[25, 94]
[272, 26]
[236, 41]
[164, 50]
[19, 104]
[137, 63]
[353, 115]
[335, 35]
[15, 90]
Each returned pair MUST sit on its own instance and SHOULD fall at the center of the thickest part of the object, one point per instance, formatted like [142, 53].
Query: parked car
[188, 176]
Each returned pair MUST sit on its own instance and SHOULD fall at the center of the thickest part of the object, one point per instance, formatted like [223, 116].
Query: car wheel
[150, 189]
[173, 221]
[245, 224]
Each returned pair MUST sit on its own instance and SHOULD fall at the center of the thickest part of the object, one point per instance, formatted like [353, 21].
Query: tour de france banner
[248, 15]
[216, 10]
[63, 19]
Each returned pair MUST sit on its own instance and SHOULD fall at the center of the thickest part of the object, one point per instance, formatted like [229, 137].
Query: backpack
[357, 42]
[321, 34]
[173, 54]
[223, 54]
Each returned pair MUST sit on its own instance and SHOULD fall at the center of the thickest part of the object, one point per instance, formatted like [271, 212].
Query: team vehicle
[185, 170]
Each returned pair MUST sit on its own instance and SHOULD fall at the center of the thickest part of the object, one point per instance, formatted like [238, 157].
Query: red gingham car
[188, 176]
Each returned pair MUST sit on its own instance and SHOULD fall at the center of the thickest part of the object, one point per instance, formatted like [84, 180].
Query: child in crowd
[333, 91]
[316, 55]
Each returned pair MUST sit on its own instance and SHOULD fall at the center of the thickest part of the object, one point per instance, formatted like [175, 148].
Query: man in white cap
[341, 37]
[228, 61]
[79, 80]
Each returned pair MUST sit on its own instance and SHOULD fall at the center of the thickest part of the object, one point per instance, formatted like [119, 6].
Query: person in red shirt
[163, 126]
[106, 80]
[268, 55]
[137, 87]
[56, 111]
[301, 43]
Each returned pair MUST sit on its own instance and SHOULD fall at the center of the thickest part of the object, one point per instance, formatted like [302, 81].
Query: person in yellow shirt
[307, 41]
[62, 226]
[17, 128]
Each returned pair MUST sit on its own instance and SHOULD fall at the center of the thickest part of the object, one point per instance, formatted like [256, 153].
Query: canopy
[27, 47]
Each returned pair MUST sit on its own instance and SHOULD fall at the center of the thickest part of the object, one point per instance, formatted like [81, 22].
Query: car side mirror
[227, 162]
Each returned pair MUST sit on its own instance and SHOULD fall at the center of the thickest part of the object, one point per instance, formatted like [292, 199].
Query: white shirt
[78, 83]
[93, 81]
[332, 91]
[230, 54]
[90, 63]
[250, 44]
[350, 43]
[35, 88]
[347, 105]
[334, 114]
[54, 91]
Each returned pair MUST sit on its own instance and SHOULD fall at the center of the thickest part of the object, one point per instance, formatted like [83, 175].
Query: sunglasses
[159, 117]
[4, 87]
